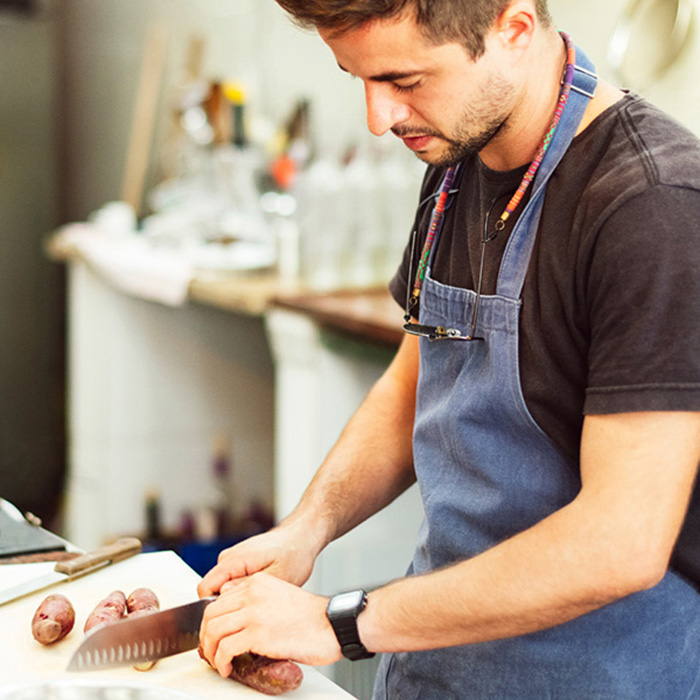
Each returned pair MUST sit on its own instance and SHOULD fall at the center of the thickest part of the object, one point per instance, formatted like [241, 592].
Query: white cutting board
[24, 660]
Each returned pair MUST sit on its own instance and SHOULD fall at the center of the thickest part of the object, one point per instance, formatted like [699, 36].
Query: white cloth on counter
[137, 265]
[131, 263]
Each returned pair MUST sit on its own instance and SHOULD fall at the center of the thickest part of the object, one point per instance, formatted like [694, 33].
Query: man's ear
[515, 26]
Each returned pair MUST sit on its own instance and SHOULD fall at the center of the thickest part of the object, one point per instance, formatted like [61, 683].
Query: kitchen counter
[367, 314]
[370, 315]
[23, 660]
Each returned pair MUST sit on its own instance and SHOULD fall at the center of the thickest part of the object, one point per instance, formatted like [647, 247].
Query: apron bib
[486, 471]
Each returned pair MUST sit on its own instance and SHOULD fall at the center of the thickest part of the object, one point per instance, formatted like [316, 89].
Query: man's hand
[284, 552]
[268, 616]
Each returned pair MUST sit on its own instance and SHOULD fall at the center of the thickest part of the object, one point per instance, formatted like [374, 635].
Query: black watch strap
[342, 613]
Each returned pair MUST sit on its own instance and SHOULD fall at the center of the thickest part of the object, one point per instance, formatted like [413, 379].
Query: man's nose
[384, 110]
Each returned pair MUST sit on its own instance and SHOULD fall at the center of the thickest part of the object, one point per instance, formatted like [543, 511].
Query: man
[551, 409]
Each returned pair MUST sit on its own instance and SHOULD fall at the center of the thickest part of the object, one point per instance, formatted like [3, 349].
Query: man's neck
[518, 141]
[517, 144]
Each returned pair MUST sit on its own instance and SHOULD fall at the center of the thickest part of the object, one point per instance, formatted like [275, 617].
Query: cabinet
[151, 388]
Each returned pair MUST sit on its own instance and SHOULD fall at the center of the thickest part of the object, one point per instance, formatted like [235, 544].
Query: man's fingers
[228, 648]
[229, 568]
[222, 619]
[211, 584]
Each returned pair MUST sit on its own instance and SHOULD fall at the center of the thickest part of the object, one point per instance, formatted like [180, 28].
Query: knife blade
[146, 638]
[75, 568]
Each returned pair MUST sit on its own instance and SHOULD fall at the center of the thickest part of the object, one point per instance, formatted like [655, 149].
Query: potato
[53, 619]
[107, 611]
[142, 601]
[269, 676]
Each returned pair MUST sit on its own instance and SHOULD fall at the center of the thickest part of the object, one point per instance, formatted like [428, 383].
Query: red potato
[107, 611]
[142, 601]
[269, 676]
[53, 619]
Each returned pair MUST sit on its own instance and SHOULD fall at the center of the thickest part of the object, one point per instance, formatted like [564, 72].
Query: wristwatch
[342, 612]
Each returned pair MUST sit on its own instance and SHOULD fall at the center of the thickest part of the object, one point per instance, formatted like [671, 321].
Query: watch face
[346, 602]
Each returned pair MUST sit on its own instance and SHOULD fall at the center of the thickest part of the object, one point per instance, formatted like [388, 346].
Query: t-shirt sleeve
[643, 300]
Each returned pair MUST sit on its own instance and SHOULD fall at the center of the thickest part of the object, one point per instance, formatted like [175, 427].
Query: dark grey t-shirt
[611, 303]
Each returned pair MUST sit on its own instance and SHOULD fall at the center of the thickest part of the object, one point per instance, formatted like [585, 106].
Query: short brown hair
[464, 21]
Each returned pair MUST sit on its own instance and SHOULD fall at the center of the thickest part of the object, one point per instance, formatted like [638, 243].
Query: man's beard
[459, 149]
[467, 139]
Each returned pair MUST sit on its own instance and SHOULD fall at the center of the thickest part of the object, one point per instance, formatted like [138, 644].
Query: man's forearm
[614, 539]
[534, 581]
[372, 462]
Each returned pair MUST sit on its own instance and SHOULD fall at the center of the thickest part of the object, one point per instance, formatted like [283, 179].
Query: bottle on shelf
[213, 517]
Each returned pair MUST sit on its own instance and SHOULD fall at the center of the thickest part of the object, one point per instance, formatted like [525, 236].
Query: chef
[546, 396]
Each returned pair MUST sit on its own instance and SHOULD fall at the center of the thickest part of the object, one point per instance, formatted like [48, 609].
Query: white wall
[103, 43]
[592, 24]
[252, 40]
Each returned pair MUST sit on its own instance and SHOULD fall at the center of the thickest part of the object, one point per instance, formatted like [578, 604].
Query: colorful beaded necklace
[529, 176]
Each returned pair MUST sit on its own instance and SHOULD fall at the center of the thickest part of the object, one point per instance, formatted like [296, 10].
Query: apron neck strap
[520, 243]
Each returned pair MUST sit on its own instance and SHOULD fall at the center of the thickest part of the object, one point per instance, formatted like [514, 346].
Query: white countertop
[23, 660]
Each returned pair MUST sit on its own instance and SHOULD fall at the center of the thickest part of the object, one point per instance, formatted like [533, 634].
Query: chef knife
[129, 642]
[75, 568]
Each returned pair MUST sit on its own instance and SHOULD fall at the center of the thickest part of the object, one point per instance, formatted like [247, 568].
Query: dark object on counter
[18, 537]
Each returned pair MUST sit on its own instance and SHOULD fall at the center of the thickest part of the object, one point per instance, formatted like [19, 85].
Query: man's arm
[371, 464]
[614, 539]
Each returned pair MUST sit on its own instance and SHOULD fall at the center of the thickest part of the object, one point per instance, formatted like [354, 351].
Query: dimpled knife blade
[129, 642]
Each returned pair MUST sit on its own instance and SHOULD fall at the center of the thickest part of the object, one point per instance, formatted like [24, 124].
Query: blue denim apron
[486, 471]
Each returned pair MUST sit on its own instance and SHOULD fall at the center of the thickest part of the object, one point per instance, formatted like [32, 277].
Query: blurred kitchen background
[196, 230]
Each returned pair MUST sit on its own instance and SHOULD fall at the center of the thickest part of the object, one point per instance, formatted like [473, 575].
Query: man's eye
[406, 88]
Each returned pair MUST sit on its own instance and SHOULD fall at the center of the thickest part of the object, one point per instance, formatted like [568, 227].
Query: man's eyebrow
[388, 77]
